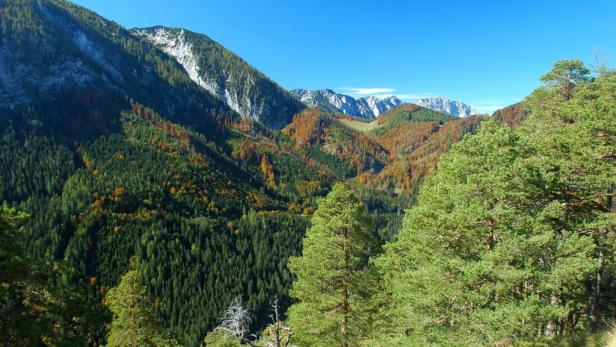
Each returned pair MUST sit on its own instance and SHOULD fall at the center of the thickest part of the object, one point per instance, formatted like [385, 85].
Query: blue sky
[487, 53]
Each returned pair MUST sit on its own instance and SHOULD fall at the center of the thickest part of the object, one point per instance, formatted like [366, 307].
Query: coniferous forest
[138, 208]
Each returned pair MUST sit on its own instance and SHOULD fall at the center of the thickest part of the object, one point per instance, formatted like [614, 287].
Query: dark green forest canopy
[105, 178]
[162, 194]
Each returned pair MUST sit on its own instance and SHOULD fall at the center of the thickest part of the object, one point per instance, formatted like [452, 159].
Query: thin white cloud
[490, 102]
[357, 91]
[489, 108]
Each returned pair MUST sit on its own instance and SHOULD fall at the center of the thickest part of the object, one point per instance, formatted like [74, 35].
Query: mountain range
[367, 107]
[453, 107]
[370, 107]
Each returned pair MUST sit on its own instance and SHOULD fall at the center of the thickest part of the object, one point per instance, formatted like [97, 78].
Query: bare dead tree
[600, 63]
[280, 331]
[236, 321]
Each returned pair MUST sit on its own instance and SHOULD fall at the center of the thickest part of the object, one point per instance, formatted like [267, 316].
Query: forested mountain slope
[317, 130]
[161, 193]
[414, 137]
[512, 115]
[115, 152]
[225, 75]
[68, 71]
[421, 149]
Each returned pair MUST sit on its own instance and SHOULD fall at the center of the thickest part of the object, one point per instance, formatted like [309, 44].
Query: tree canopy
[512, 239]
[333, 274]
[134, 318]
[566, 74]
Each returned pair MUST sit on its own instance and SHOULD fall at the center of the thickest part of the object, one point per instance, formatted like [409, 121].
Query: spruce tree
[333, 274]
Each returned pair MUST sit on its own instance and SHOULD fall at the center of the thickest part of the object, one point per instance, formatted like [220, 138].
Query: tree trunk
[552, 326]
[596, 293]
[344, 330]
[345, 320]
[276, 324]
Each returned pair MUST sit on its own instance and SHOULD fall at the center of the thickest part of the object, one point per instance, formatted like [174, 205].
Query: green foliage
[32, 166]
[197, 267]
[333, 275]
[384, 207]
[566, 75]
[407, 113]
[36, 308]
[341, 169]
[511, 242]
[218, 338]
[17, 318]
[512, 237]
[14, 269]
[134, 318]
[193, 223]
[20, 23]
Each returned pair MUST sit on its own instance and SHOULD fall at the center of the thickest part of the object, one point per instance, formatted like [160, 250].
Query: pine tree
[134, 319]
[512, 237]
[579, 138]
[566, 75]
[333, 274]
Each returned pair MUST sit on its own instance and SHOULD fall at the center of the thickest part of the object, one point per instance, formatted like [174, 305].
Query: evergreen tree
[577, 138]
[333, 274]
[14, 275]
[36, 309]
[134, 319]
[513, 236]
[565, 75]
